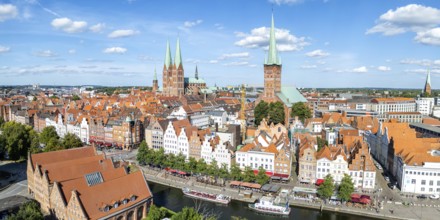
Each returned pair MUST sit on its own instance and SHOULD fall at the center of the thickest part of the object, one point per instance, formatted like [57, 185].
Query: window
[422, 189]
[431, 182]
[413, 181]
[423, 182]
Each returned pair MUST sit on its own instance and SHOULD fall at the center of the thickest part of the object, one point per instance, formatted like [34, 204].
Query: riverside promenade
[391, 210]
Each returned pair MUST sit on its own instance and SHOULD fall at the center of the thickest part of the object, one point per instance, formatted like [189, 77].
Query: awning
[354, 195]
[268, 173]
[181, 173]
[172, 171]
[319, 182]
[255, 186]
[235, 183]
[281, 175]
[246, 184]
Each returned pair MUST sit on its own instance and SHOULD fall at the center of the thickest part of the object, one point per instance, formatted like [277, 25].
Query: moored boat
[217, 198]
[267, 205]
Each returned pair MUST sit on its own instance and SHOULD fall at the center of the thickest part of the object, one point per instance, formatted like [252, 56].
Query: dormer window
[125, 201]
[106, 208]
[132, 198]
[116, 205]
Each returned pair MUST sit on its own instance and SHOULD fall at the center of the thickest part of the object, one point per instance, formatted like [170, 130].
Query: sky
[322, 43]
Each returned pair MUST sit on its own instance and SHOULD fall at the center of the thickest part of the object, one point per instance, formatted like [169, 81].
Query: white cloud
[218, 26]
[422, 20]
[122, 33]
[317, 53]
[7, 11]
[234, 55]
[422, 71]
[189, 24]
[308, 67]
[45, 53]
[361, 69]
[115, 50]
[242, 63]
[411, 17]
[72, 51]
[97, 28]
[422, 62]
[384, 68]
[213, 61]
[69, 26]
[287, 2]
[431, 37]
[259, 38]
[4, 49]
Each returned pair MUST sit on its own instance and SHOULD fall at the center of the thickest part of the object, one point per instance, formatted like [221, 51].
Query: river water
[174, 199]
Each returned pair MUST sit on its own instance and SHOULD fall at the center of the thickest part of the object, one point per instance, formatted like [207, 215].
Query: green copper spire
[197, 73]
[155, 74]
[168, 60]
[272, 58]
[178, 57]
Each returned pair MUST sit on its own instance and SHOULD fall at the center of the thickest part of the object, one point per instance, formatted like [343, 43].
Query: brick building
[79, 184]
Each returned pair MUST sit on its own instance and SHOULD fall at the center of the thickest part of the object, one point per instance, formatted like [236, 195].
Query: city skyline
[322, 43]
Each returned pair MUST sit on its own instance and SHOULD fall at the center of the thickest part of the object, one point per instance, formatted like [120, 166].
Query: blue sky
[322, 43]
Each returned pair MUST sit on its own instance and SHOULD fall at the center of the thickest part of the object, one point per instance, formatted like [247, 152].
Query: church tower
[155, 83]
[178, 72]
[427, 90]
[173, 73]
[272, 68]
[166, 73]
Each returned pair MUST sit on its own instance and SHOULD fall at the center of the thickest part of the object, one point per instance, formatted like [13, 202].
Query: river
[174, 199]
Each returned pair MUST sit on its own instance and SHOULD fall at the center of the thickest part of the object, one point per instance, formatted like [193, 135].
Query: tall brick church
[173, 74]
[273, 90]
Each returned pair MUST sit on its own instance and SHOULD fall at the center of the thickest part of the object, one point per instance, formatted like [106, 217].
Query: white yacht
[269, 205]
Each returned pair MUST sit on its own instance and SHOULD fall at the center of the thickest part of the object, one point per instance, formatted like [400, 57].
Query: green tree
[192, 164]
[159, 157]
[301, 110]
[346, 188]
[156, 213]
[326, 189]
[30, 210]
[321, 143]
[17, 140]
[76, 98]
[223, 171]
[71, 141]
[47, 134]
[248, 175]
[142, 153]
[202, 167]
[2, 147]
[35, 142]
[261, 111]
[213, 168]
[2, 121]
[261, 177]
[276, 112]
[187, 214]
[180, 161]
[236, 172]
[53, 145]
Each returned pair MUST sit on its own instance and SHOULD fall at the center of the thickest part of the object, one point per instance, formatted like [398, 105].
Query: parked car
[434, 196]
[422, 196]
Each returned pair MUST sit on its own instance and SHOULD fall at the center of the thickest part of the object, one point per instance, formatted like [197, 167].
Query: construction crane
[243, 113]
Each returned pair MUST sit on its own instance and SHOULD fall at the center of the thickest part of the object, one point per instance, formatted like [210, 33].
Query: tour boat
[267, 205]
[217, 198]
